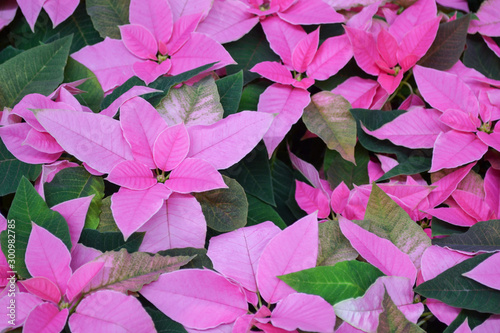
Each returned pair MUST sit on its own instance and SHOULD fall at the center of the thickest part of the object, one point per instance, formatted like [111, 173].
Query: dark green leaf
[93, 95]
[334, 247]
[38, 70]
[111, 241]
[417, 161]
[12, 170]
[347, 279]
[72, 183]
[8, 52]
[230, 90]
[249, 51]
[254, 174]
[482, 236]
[392, 320]
[474, 319]
[225, 209]
[164, 324]
[107, 15]
[456, 290]
[250, 96]
[259, 211]
[201, 260]
[448, 45]
[441, 228]
[28, 206]
[340, 170]
[479, 56]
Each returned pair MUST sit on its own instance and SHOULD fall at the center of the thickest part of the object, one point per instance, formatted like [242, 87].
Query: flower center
[161, 178]
[161, 58]
[486, 127]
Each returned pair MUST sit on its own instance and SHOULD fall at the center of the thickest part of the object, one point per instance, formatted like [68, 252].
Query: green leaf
[200, 260]
[225, 209]
[340, 170]
[441, 228]
[106, 220]
[28, 206]
[417, 161]
[164, 324]
[347, 279]
[12, 170]
[9, 52]
[163, 83]
[482, 236]
[254, 174]
[249, 51]
[479, 56]
[386, 219]
[72, 183]
[111, 241]
[259, 211]
[448, 45]
[230, 90]
[474, 319]
[93, 93]
[38, 70]
[190, 103]
[107, 15]
[392, 320]
[456, 290]
[334, 247]
[328, 117]
[250, 95]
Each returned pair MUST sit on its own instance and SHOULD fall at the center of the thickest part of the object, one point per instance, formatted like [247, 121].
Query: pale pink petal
[418, 128]
[459, 120]
[109, 60]
[410, 195]
[24, 304]
[46, 318]
[92, 138]
[171, 147]
[310, 172]
[347, 328]
[311, 199]
[81, 254]
[442, 311]
[310, 12]
[8, 11]
[333, 54]
[110, 311]
[417, 13]
[148, 71]
[457, 4]
[199, 299]
[386, 162]
[199, 50]
[411, 101]
[417, 42]
[46, 255]
[183, 8]
[492, 45]
[365, 50]
[445, 91]
[387, 47]
[81, 278]
[131, 209]
[60, 10]
[194, 175]
[13, 137]
[489, 19]
[446, 185]
[139, 41]
[227, 141]
[436, 260]
[74, 212]
[182, 32]
[288, 103]
[487, 272]
[132, 175]
[274, 71]
[30, 10]
[473, 205]
[492, 190]
[453, 149]
[359, 92]
[282, 37]
[236, 254]
[155, 16]
[141, 125]
[379, 252]
[489, 325]
[389, 82]
[179, 223]
[492, 140]
[227, 21]
[454, 216]
[44, 288]
[304, 51]
[42, 141]
[292, 250]
[375, 170]
[305, 312]
[340, 197]
[135, 91]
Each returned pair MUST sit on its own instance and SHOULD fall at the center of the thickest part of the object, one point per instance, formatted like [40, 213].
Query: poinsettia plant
[250, 165]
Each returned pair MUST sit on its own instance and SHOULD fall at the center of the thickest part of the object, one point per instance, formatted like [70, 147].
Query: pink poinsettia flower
[389, 52]
[228, 21]
[248, 261]
[300, 54]
[488, 22]
[154, 44]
